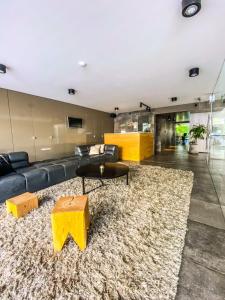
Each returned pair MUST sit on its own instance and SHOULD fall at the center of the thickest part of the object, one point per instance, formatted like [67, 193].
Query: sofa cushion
[94, 150]
[5, 166]
[42, 164]
[11, 185]
[110, 149]
[56, 173]
[70, 167]
[18, 159]
[23, 170]
[36, 179]
[100, 158]
[101, 148]
[82, 150]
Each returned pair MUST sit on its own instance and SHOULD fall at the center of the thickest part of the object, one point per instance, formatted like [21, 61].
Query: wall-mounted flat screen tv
[75, 122]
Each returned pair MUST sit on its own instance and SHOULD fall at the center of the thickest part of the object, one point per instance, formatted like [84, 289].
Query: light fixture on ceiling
[82, 63]
[212, 98]
[2, 69]
[71, 91]
[173, 99]
[190, 7]
[116, 110]
[147, 108]
[197, 104]
[193, 72]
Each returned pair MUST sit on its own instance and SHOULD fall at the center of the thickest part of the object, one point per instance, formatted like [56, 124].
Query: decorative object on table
[101, 168]
[70, 216]
[197, 132]
[20, 205]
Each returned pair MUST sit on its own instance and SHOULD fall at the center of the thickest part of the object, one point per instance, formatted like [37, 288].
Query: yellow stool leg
[59, 233]
[73, 223]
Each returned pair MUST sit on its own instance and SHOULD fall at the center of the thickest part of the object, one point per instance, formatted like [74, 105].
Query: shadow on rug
[134, 248]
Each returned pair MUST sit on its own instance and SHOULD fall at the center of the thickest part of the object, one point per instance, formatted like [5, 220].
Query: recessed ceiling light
[82, 63]
[2, 69]
[71, 91]
[190, 7]
[193, 72]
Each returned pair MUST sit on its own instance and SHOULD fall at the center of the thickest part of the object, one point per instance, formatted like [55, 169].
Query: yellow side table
[20, 205]
[70, 216]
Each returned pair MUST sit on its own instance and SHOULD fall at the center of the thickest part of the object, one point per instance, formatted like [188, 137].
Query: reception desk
[135, 146]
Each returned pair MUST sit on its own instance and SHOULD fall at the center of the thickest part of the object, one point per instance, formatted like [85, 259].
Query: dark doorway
[172, 132]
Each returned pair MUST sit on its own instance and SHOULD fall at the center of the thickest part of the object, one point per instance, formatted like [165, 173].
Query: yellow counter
[134, 146]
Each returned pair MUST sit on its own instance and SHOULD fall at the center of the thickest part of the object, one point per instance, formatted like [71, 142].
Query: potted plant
[197, 132]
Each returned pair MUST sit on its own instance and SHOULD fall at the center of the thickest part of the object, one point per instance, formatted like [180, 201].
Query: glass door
[217, 136]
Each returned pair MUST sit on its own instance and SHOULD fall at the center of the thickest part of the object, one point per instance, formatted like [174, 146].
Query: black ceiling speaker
[193, 72]
[190, 7]
[2, 69]
[71, 91]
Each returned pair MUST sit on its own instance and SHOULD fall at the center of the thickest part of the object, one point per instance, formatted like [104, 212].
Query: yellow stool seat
[20, 205]
[70, 216]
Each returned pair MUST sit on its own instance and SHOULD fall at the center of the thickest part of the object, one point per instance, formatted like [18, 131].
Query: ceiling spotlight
[71, 91]
[147, 108]
[173, 99]
[2, 69]
[193, 72]
[82, 63]
[212, 98]
[116, 110]
[190, 7]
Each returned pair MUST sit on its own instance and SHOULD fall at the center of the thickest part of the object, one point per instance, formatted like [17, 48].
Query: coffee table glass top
[109, 171]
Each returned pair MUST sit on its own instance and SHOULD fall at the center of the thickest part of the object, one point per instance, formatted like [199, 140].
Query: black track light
[193, 72]
[2, 69]
[71, 91]
[147, 108]
[190, 7]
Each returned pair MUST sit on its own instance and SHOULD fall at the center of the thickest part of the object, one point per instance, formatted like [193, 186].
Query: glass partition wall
[217, 136]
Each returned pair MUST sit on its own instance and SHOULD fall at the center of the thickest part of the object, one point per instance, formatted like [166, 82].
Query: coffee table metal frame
[101, 181]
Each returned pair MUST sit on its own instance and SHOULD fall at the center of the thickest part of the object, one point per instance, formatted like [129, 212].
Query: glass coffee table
[102, 171]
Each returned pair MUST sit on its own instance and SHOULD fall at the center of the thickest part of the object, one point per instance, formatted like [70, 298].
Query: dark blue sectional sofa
[32, 177]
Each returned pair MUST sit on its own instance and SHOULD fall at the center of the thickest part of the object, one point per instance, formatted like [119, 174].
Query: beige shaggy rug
[134, 248]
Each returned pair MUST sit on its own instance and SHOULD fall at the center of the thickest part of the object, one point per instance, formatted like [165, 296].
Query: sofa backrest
[5, 165]
[82, 150]
[18, 159]
[110, 149]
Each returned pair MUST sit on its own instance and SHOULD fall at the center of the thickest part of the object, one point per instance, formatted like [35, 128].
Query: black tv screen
[74, 122]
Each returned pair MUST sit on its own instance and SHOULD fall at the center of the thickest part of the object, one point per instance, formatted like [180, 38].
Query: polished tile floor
[202, 274]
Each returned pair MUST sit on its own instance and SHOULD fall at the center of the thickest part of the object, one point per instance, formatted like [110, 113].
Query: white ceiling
[135, 50]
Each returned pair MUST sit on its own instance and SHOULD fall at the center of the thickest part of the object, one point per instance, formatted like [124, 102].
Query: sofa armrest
[112, 150]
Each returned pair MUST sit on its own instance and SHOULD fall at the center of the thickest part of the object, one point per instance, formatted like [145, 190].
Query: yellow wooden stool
[20, 205]
[70, 216]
